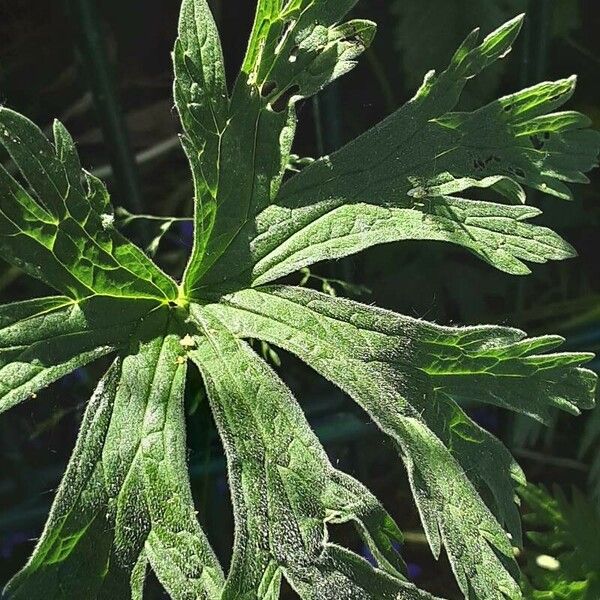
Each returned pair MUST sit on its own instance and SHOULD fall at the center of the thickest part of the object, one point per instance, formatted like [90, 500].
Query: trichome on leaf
[125, 504]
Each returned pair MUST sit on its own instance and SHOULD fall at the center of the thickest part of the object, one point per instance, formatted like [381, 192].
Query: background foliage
[45, 68]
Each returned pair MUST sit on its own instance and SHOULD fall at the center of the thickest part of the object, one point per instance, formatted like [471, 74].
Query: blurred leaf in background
[428, 30]
[563, 562]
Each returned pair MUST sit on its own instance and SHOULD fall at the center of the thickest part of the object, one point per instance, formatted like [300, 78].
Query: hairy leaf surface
[296, 49]
[125, 505]
[64, 235]
[400, 180]
[44, 339]
[125, 500]
[202, 100]
[285, 490]
[422, 371]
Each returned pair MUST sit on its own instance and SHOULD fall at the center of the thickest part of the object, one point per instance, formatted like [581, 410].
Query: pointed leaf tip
[499, 42]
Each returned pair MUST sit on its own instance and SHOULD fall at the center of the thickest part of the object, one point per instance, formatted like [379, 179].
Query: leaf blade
[295, 51]
[349, 344]
[59, 236]
[128, 468]
[413, 163]
[282, 483]
[45, 339]
[202, 100]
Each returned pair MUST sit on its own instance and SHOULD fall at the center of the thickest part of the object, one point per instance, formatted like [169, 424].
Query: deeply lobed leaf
[125, 502]
[423, 373]
[64, 236]
[284, 489]
[400, 180]
[295, 50]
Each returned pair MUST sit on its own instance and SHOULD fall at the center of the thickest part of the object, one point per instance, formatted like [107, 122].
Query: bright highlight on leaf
[125, 504]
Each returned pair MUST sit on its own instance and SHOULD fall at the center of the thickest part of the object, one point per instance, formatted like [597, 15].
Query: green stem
[318, 126]
[93, 55]
[536, 40]
[126, 217]
[389, 98]
[533, 69]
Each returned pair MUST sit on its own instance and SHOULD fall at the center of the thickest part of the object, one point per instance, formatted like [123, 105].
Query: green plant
[565, 563]
[125, 502]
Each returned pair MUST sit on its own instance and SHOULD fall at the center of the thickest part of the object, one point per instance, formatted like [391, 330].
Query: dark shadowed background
[107, 75]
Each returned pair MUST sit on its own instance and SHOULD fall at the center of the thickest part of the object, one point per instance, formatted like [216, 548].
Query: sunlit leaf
[125, 504]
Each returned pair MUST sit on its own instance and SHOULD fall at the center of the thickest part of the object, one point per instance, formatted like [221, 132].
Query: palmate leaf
[284, 488]
[125, 503]
[125, 500]
[400, 180]
[422, 370]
